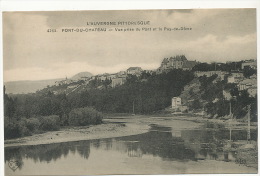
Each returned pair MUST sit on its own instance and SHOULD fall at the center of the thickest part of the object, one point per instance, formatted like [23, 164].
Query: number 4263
[51, 30]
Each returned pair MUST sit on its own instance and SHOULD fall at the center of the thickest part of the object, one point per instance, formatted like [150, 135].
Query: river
[164, 149]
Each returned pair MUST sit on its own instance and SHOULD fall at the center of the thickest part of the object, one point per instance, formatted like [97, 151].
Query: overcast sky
[31, 53]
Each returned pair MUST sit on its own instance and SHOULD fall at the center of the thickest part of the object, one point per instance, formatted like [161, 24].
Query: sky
[32, 53]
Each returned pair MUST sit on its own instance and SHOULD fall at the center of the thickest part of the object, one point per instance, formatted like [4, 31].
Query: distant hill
[23, 87]
[80, 75]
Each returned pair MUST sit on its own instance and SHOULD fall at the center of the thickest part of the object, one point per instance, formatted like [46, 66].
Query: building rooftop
[189, 64]
[134, 68]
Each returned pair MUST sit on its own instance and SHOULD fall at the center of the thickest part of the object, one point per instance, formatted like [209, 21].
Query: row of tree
[148, 93]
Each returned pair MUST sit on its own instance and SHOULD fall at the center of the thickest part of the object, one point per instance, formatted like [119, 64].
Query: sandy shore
[106, 130]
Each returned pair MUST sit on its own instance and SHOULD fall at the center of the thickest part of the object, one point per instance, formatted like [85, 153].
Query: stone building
[177, 62]
[134, 70]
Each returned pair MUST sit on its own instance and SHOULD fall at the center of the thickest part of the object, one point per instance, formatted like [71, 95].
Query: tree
[248, 71]
[84, 116]
[9, 106]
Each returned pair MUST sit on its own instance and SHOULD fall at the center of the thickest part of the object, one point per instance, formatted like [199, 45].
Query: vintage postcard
[103, 92]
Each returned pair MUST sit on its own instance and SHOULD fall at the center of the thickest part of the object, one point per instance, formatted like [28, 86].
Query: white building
[233, 79]
[176, 102]
[177, 105]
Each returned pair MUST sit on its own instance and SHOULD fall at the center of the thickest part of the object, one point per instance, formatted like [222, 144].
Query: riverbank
[116, 126]
[105, 130]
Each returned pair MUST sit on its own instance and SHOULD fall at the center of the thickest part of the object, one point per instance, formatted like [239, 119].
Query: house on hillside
[85, 78]
[246, 83]
[151, 71]
[164, 63]
[177, 105]
[177, 62]
[103, 77]
[62, 82]
[238, 74]
[112, 76]
[176, 102]
[134, 70]
[118, 81]
[235, 77]
[173, 62]
[249, 63]
[221, 74]
[121, 73]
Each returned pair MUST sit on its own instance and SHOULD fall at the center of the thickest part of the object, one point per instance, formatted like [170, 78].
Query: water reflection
[163, 142]
[159, 142]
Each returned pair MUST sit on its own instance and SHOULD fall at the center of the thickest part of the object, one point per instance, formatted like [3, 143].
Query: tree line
[145, 94]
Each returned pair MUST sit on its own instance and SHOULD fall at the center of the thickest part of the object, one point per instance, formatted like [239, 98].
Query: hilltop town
[224, 71]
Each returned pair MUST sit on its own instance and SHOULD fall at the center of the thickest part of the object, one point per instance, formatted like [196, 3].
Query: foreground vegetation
[19, 126]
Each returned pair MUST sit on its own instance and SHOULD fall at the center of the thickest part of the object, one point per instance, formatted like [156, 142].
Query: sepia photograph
[130, 92]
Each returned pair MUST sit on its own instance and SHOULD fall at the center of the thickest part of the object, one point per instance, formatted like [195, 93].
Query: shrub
[33, 124]
[49, 123]
[25, 127]
[84, 116]
[24, 130]
[11, 129]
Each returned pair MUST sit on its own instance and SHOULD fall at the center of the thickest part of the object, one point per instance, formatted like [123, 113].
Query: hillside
[191, 92]
[205, 93]
[80, 75]
[23, 87]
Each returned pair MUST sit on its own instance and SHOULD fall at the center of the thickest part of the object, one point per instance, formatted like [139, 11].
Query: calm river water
[159, 151]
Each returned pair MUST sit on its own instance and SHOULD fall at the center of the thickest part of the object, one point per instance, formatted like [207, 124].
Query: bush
[25, 127]
[84, 116]
[11, 129]
[33, 124]
[18, 128]
[49, 123]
